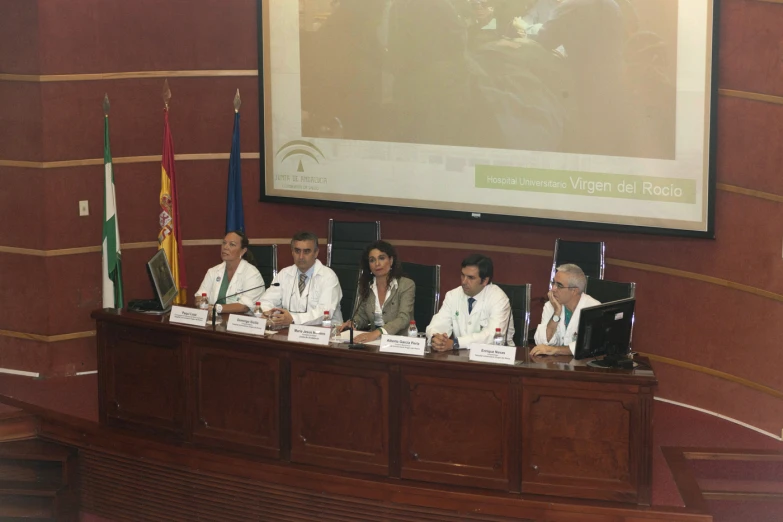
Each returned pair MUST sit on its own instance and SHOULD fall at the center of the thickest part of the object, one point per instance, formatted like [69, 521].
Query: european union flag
[235, 215]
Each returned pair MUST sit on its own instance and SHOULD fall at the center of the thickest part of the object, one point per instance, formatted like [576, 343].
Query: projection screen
[594, 112]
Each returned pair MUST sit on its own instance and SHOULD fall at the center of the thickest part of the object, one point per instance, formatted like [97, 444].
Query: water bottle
[498, 339]
[326, 322]
[412, 330]
[204, 304]
[257, 310]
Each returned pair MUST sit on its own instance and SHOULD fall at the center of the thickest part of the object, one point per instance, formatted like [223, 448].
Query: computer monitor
[162, 279]
[605, 329]
[163, 285]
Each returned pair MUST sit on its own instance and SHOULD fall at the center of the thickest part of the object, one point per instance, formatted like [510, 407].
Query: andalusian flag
[170, 236]
[112, 259]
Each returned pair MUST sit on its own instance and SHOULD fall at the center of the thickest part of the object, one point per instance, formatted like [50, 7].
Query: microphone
[351, 344]
[508, 322]
[214, 315]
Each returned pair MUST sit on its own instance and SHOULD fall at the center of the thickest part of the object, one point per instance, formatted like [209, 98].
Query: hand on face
[555, 303]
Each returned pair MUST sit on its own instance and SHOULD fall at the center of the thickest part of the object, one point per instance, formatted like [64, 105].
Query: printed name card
[246, 325]
[492, 353]
[403, 344]
[188, 316]
[309, 334]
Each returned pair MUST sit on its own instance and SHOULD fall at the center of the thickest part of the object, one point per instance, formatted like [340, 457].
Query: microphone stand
[214, 313]
[351, 344]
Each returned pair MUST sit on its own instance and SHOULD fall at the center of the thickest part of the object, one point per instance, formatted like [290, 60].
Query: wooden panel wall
[707, 310]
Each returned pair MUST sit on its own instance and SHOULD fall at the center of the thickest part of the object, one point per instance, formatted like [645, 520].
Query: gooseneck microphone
[351, 344]
[214, 315]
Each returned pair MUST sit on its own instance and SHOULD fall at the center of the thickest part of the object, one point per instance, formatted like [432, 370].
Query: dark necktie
[470, 304]
[302, 280]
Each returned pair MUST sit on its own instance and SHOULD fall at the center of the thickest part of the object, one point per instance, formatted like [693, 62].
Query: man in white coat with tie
[302, 292]
[556, 335]
[471, 313]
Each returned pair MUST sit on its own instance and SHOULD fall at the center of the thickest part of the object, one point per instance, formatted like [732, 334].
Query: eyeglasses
[560, 286]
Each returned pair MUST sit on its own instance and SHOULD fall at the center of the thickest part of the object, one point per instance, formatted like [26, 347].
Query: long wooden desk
[550, 428]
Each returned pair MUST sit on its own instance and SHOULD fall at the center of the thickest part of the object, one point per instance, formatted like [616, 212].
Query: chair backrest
[349, 283]
[266, 261]
[347, 240]
[587, 255]
[606, 291]
[519, 295]
[427, 279]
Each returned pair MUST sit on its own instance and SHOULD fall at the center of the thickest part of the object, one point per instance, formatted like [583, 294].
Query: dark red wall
[715, 324]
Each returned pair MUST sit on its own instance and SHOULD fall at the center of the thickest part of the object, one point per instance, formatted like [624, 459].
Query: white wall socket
[84, 208]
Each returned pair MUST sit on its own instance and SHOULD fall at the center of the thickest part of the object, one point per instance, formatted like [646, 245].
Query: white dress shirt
[322, 292]
[490, 311]
[245, 278]
[378, 318]
[563, 336]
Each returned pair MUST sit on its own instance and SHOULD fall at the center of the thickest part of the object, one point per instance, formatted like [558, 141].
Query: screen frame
[627, 305]
[265, 152]
[157, 259]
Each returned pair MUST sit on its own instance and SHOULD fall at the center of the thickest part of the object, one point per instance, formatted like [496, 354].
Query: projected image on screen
[590, 111]
[581, 76]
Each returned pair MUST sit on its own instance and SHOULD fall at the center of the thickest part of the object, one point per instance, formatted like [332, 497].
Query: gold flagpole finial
[237, 102]
[166, 94]
[106, 104]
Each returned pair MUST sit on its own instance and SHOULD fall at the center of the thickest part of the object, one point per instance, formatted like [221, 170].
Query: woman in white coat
[234, 285]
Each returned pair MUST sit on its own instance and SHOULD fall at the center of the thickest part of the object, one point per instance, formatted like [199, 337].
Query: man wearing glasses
[302, 292]
[556, 335]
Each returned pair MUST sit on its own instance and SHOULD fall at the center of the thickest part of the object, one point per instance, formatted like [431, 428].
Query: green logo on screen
[299, 150]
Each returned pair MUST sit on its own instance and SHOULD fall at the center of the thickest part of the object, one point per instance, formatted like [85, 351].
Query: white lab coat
[564, 336]
[490, 311]
[245, 278]
[322, 293]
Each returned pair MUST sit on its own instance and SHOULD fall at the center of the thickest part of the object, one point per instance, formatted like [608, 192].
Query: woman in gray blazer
[385, 297]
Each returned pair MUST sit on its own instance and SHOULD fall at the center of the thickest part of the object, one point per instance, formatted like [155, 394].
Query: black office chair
[427, 279]
[347, 240]
[587, 255]
[606, 291]
[266, 261]
[519, 295]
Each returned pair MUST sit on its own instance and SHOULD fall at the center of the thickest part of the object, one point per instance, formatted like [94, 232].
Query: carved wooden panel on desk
[237, 401]
[144, 380]
[340, 414]
[582, 440]
[457, 430]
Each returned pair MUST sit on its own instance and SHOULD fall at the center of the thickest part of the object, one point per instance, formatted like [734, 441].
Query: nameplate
[492, 353]
[188, 316]
[309, 334]
[403, 344]
[246, 325]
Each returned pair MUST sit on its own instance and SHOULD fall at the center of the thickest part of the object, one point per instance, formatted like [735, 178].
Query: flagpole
[111, 256]
[170, 235]
[235, 214]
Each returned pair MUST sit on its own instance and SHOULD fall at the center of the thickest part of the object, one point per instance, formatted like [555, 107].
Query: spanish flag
[170, 236]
